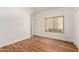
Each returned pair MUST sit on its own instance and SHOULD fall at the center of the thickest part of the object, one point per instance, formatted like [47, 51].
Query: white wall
[68, 18]
[14, 25]
[76, 27]
[32, 25]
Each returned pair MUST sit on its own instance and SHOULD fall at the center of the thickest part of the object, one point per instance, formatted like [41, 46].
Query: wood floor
[40, 44]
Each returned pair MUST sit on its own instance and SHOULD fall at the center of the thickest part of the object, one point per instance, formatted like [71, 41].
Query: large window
[54, 24]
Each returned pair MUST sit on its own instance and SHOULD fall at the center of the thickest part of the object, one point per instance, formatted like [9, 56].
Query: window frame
[53, 21]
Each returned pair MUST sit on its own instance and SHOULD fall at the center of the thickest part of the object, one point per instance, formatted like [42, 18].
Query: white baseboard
[12, 42]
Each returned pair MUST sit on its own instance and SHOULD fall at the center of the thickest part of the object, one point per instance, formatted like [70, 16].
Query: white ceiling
[39, 9]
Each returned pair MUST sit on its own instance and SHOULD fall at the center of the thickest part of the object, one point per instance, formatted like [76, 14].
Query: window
[54, 24]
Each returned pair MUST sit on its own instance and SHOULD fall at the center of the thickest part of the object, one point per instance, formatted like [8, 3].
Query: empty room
[39, 29]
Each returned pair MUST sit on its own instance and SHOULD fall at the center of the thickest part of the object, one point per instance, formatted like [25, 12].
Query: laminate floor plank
[40, 44]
